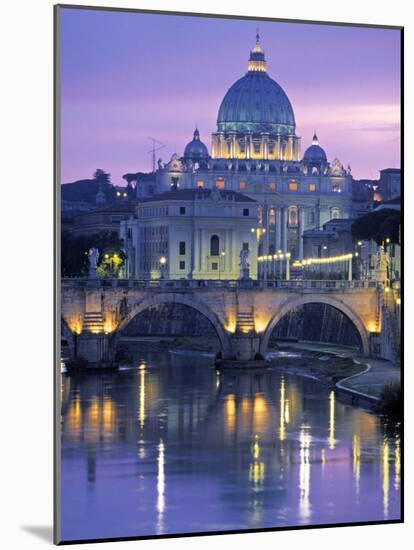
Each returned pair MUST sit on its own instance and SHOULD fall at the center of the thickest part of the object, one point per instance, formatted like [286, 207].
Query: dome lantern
[257, 62]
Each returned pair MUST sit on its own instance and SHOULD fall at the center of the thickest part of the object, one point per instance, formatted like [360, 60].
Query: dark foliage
[74, 255]
[87, 189]
[378, 226]
[390, 402]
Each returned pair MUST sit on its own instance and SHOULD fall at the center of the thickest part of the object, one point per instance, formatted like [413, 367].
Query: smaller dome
[315, 153]
[196, 150]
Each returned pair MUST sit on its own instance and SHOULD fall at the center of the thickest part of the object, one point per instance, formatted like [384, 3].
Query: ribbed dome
[314, 153]
[196, 148]
[256, 103]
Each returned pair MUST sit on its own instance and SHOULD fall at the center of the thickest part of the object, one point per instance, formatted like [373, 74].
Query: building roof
[199, 194]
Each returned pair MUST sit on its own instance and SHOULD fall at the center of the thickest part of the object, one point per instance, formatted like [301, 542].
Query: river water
[171, 446]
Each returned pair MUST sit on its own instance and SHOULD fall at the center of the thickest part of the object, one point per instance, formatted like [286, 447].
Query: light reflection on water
[171, 446]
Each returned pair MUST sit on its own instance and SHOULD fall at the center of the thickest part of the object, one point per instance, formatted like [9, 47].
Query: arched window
[335, 213]
[272, 217]
[293, 215]
[214, 246]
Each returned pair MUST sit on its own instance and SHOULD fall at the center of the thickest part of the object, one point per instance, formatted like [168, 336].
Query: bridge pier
[245, 347]
[94, 348]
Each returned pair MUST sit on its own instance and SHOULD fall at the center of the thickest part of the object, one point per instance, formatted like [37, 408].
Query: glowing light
[356, 451]
[387, 289]
[141, 415]
[398, 301]
[108, 326]
[259, 326]
[359, 243]
[108, 416]
[230, 411]
[257, 468]
[397, 463]
[163, 260]
[385, 476]
[332, 420]
[231, 327]
[304, 474]
[160, 485]
[282, 434]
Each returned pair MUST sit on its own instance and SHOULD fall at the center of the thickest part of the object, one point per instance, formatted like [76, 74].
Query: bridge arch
[177, 298]
[292, 303]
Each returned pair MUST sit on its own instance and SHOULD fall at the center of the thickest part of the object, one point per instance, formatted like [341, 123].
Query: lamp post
[163, 262]
[288, 265]
[222, 255]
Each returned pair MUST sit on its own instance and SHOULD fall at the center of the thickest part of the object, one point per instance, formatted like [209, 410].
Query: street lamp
[222, 254]
[163, 261]
[288, 266]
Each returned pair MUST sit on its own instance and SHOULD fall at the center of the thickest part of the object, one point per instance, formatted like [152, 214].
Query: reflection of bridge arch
[292, 303]
[178, 298]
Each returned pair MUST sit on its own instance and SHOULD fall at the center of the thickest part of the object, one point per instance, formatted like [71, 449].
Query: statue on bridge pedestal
[93, 262]
[244, 265]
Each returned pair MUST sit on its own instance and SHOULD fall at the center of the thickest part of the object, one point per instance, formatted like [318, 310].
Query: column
[284, 229]
[278, 229]
[266, 225]
[301, 229]
[196, 261]
[248, 145]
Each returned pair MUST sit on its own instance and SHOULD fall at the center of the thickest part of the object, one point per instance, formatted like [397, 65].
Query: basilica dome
[196, 150]
[315, 153]
[256, 103]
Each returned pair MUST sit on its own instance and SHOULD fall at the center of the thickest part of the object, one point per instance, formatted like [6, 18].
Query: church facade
[255, 152]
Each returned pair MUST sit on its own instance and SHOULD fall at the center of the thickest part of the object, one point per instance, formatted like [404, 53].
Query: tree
[102, 177]
[378, 226]
[75, 254]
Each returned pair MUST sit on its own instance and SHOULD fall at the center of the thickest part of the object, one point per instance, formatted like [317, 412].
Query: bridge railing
[228, 285]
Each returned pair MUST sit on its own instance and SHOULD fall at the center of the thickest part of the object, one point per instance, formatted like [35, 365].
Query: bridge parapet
[228, 285]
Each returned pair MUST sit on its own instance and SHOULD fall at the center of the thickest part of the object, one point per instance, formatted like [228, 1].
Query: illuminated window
[272, 186]
[200, 184]
[293, 215]
[312, 187]
[377, 197]
[220, 183]
[335, 213]
[336, 188]
[242, 185]
[272, 216]
[293, 186]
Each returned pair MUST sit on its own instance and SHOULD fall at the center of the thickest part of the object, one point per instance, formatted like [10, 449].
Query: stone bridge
[243, 313]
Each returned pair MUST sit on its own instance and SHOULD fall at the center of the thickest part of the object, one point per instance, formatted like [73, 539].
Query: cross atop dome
[257, 62]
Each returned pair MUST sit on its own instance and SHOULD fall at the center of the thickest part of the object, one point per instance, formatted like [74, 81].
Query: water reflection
[304, 473]
[171, 446]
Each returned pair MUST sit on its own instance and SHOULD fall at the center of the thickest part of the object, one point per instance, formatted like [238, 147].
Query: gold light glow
[230, 411]
[108, 416]
[356, 451]
[231, 327]
[385, 476]
[141, 415]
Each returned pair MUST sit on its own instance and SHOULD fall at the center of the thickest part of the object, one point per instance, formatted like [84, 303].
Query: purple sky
[127, 76]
